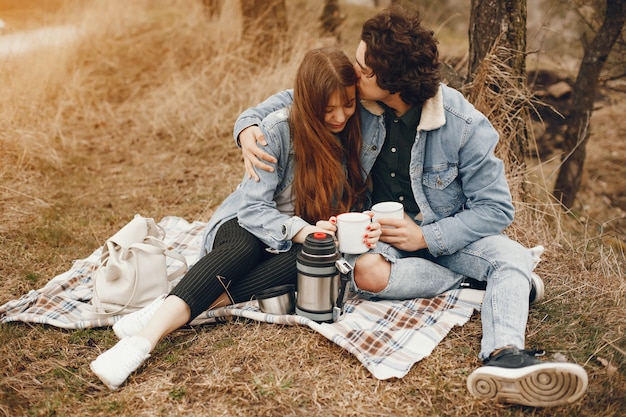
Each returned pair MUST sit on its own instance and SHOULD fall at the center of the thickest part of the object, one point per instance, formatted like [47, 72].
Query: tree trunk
[499, 27]
[577, 133]
[502, 22]
[265, 24]
[331, 19]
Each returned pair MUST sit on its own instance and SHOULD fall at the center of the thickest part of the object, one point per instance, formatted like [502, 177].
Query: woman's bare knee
[371, 273]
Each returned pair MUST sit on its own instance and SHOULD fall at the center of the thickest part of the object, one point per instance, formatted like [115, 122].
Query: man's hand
[253, 155]
[403, 234]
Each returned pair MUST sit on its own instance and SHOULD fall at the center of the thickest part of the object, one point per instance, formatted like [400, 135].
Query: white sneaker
[115, 365]
[536, 253]
[537, 288]
[133, 323]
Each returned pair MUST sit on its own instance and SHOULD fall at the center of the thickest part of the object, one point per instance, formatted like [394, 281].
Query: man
[438, 160]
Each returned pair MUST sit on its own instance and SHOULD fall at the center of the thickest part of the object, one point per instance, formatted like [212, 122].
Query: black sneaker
[474, 284]
[536, 289]
[517, 377]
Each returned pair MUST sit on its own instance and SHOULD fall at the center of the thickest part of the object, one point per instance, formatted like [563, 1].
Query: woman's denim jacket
[253, 203]
[458, 183]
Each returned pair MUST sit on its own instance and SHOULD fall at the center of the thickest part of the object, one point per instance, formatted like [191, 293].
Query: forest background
[125, 107]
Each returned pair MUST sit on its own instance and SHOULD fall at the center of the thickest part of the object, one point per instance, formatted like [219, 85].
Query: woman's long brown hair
[321, 186]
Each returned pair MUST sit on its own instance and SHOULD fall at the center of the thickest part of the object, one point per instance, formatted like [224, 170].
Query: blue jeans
[504, 264]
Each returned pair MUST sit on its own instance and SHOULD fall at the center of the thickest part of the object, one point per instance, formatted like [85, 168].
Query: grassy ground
[136, 117]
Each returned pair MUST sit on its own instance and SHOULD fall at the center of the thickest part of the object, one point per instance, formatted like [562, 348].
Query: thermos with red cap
[321, 291]
[318, 278]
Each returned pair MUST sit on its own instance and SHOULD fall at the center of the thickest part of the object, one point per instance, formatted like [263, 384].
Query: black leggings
[238, 262]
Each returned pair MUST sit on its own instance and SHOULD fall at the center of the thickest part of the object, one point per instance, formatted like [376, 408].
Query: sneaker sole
[542, 385]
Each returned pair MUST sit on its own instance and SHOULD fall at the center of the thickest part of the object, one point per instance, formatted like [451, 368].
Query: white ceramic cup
[388, 210]
[351, 227]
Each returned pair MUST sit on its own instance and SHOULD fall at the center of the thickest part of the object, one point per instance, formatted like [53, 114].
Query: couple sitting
[387, 119]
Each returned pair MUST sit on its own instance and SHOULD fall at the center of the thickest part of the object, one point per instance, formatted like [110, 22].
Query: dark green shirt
[390, 174]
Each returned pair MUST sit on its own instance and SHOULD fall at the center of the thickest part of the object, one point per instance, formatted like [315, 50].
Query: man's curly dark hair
[402, 54]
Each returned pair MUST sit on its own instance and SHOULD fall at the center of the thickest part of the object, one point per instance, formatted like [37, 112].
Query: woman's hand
[370, 238]
[374, 231]
[329, 226]
[307, 230]
[253, 154]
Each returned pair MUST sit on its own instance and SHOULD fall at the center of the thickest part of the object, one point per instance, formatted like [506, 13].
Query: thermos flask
[318, 277]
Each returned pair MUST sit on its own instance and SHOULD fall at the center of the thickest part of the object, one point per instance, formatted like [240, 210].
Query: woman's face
[338, 110]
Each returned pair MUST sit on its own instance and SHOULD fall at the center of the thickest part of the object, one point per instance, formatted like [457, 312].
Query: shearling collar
[433, 116]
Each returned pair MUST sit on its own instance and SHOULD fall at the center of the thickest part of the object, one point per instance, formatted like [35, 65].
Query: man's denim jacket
[253, 203]
[458, 183]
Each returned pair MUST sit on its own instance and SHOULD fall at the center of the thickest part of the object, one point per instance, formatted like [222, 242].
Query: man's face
[368, 88]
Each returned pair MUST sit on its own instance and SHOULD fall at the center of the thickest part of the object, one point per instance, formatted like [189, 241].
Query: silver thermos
[322, 279]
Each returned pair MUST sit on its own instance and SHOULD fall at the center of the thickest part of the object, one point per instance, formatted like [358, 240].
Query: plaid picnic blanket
[387, 337]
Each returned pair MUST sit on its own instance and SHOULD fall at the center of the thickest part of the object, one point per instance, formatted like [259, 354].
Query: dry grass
[136, 116]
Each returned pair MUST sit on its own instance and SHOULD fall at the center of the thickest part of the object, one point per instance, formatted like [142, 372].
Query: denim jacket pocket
[443, 192]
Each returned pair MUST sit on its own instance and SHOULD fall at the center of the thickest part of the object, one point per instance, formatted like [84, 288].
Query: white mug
[388, 210]
[351, 229]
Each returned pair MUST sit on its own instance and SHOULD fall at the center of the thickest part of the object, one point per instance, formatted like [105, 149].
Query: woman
[317, 144]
